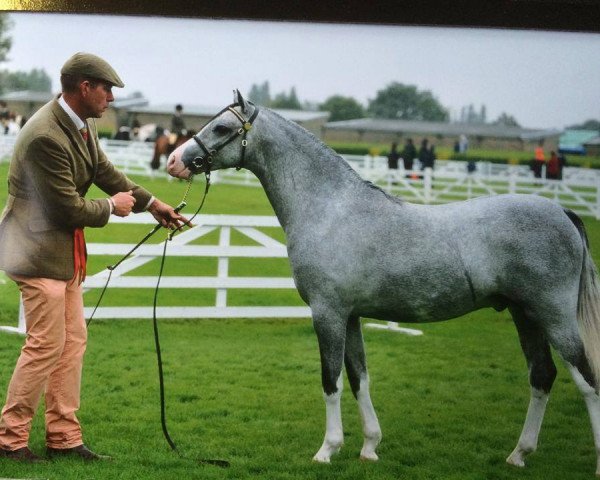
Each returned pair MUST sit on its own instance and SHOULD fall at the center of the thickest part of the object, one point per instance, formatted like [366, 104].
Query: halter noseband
[203, 163]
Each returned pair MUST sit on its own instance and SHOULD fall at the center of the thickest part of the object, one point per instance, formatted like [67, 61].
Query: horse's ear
[237, 97]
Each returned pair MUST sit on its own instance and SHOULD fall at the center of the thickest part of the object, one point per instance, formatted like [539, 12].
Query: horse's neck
[301, 177]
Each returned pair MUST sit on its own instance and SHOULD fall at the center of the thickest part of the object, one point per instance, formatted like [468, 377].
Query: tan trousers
[50, 361]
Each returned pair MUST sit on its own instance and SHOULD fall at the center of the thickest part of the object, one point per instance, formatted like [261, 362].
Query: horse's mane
[328, 154]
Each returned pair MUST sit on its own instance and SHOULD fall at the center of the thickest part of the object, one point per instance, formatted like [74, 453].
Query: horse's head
[220, 144]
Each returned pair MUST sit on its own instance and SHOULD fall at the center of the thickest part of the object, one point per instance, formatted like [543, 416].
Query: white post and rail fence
[180, 246]
[579, 190]
[264, 247]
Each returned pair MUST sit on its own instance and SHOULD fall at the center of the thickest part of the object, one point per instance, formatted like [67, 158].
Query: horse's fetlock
[373, 435]
[527, 447]
[335, 441]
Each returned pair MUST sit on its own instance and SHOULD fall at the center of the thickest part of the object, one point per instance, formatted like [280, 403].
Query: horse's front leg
[356, 369]
[330, 328]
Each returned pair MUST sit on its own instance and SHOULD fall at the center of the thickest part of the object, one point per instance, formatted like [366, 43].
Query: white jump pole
[393, 327]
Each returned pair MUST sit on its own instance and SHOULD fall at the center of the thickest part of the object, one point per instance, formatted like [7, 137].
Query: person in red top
[553, 167]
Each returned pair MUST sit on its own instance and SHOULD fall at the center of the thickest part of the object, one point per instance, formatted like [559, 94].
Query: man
[177, 123]
[55, 161]
[409, 153]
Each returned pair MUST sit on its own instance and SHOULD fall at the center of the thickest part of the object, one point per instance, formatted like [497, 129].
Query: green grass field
[451, 403]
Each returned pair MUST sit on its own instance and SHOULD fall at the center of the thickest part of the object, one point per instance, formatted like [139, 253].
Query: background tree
[470, 116]
[342, 108]
[507, 120]
[5, 41]
[260, 94]
[590, 124]
[36, 80]
[406, 102]
[289, 101]
[483, 114]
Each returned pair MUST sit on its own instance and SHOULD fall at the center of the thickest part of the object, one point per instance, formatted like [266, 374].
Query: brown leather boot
[21, 455]
[80, 451]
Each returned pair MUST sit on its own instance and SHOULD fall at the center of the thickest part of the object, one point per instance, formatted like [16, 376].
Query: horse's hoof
[321, 459]
[516, 460]
[369, 457]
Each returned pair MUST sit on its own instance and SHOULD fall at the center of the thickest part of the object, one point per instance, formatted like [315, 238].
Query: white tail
[588, 312]
[588, 303]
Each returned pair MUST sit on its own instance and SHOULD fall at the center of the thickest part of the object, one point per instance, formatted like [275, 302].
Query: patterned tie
[84, 134]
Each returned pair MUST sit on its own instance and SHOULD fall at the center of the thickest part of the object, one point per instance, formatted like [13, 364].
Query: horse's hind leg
[356, 369]
[592, 402]
[542, 373]
[330, 328]
[572, 351]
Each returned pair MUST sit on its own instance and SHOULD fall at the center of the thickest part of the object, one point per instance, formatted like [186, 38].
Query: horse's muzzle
[175, 165]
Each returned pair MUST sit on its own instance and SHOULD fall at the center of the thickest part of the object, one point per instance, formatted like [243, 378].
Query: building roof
[593, 141]
[439, 128]
[44, 97]
[573, 140]
[576, 138]
[210, 110]
[27, 96]
[129, 102]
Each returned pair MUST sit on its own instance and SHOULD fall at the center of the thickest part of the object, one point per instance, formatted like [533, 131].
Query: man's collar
[79, 123]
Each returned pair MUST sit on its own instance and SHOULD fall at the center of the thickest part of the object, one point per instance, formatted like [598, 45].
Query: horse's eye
[221, 129]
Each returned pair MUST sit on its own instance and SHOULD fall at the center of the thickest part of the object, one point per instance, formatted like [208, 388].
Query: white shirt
[79, 123]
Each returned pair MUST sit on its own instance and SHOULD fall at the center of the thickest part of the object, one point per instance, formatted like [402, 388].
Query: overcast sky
[543, 79]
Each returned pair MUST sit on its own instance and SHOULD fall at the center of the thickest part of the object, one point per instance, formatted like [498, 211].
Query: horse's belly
[418, 307]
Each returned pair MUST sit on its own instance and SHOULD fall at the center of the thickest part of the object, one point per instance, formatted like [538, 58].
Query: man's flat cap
[91, 66]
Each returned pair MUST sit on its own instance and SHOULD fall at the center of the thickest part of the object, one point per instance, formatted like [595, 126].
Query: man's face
[97, 98]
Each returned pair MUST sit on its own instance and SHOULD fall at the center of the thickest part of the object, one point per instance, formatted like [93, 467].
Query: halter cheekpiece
[203, 163]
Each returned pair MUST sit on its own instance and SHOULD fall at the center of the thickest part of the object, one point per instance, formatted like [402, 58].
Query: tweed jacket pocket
[37, 220]
[40, 225]
[8, 207]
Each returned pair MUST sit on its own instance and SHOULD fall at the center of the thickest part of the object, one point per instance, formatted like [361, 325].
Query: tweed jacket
[50, 173]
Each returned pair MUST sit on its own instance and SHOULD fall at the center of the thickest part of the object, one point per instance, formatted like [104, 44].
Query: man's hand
[123, 203]
[166, 215]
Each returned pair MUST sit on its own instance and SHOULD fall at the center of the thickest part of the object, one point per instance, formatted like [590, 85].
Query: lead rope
[156, 228]
[163, 420]
[163, 417]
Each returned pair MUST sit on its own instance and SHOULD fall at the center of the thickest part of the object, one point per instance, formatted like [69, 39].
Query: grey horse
[356, 251]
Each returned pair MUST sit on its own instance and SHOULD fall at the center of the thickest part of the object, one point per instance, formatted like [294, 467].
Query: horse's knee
[333, 392]
[542, 374]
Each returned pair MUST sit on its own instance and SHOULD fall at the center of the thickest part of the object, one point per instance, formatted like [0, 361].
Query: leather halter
[203, 163]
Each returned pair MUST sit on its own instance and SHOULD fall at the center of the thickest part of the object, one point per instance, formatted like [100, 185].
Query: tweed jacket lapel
[93, 147]
[75, 135]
